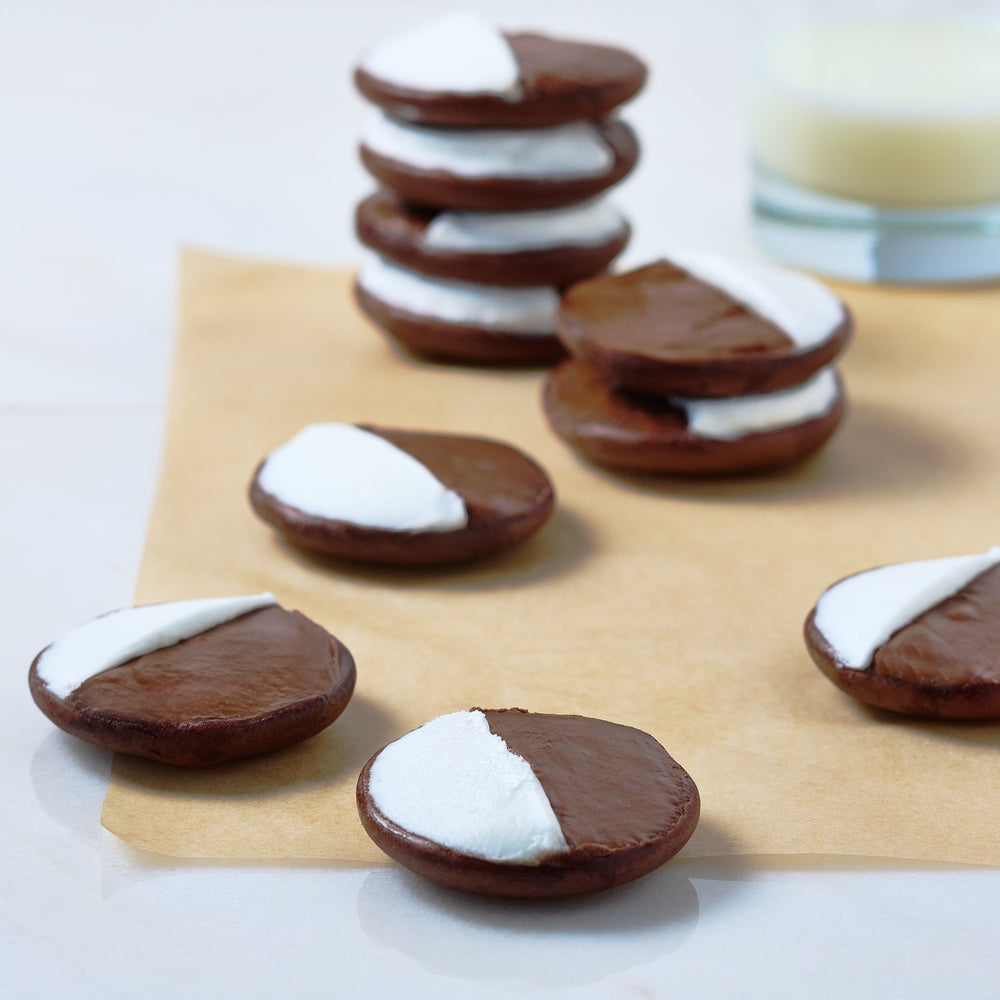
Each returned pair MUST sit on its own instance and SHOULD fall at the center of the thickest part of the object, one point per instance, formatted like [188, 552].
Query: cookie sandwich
[493, 152]
[698, 365]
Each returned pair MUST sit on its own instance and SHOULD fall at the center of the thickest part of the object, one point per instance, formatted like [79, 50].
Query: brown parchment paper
[673, 606]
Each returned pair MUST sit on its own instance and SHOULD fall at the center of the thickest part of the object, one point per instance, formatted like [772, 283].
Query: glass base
[858, 242]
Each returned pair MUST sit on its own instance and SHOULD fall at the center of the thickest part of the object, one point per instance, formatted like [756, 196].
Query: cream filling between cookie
[530, 311]
[797, 304]
[561, 152]
[344, 473]
[459, 53]
[456, 783]
[122, 635]
[859, 614]
[510, 232]
[737, 416]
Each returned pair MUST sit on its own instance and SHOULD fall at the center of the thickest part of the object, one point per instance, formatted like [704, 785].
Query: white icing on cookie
[510, 232]
[859, 614]
[343, 473]
[456, 783]
[460, 53]
[123, 635]
[516, 310]
[562, 152]
[800, 306]
[737, 416]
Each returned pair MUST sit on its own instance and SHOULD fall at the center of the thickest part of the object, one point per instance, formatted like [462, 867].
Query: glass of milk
[875, 131]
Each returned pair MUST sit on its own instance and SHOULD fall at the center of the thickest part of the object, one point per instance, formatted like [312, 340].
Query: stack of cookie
[697, 365]
[493, 151]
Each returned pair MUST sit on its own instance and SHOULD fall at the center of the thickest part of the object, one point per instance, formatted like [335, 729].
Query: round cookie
[519, 804]
[641, 433]
[922, 638]
[194, 683]
[701, 326]
[498, 170]
[456, 321]
[553, 248]
[461, 71]
[400, 497]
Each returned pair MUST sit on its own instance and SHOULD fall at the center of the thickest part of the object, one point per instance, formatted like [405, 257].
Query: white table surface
[128, 130]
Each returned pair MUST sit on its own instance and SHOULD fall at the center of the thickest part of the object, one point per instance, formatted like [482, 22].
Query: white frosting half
[460, 53]
[343, 473]
[122, 635]
[807, 311]
[517, 310]
[564, 151]
[859, 614]
[736, 416]
[510, 232]
[456, 783]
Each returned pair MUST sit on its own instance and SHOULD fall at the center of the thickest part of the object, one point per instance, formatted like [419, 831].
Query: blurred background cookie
[698, 365]
[642, 433]
[460, 70]
[698, 324]
[474, 123]
[498, 170]
[457, 321]
[554, 248]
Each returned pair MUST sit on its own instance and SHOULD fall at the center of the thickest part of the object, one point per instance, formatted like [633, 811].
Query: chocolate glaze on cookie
[436, 188]
[261, 681]
[623, 804]
[558, 81]
[945, 663]
[507, 496]
[659, 330]
[644, 433]
[399, 232]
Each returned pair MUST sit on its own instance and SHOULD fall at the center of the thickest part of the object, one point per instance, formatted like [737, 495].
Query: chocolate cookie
[457, 321]
[643, 433]
[921, 638]
[698, 325]
[461, 71]
[197, 682]
[501, 170]
[404, 497]
[511, 803]
[552, 248]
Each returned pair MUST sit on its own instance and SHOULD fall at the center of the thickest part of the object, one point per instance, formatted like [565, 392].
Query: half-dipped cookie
[921, 638]
[401, 497]
[460, 70]
[443, 320]
[195, 682]
[513, 803]
[701, 325]
[683, 436]
[498, 170]
[553, 247]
